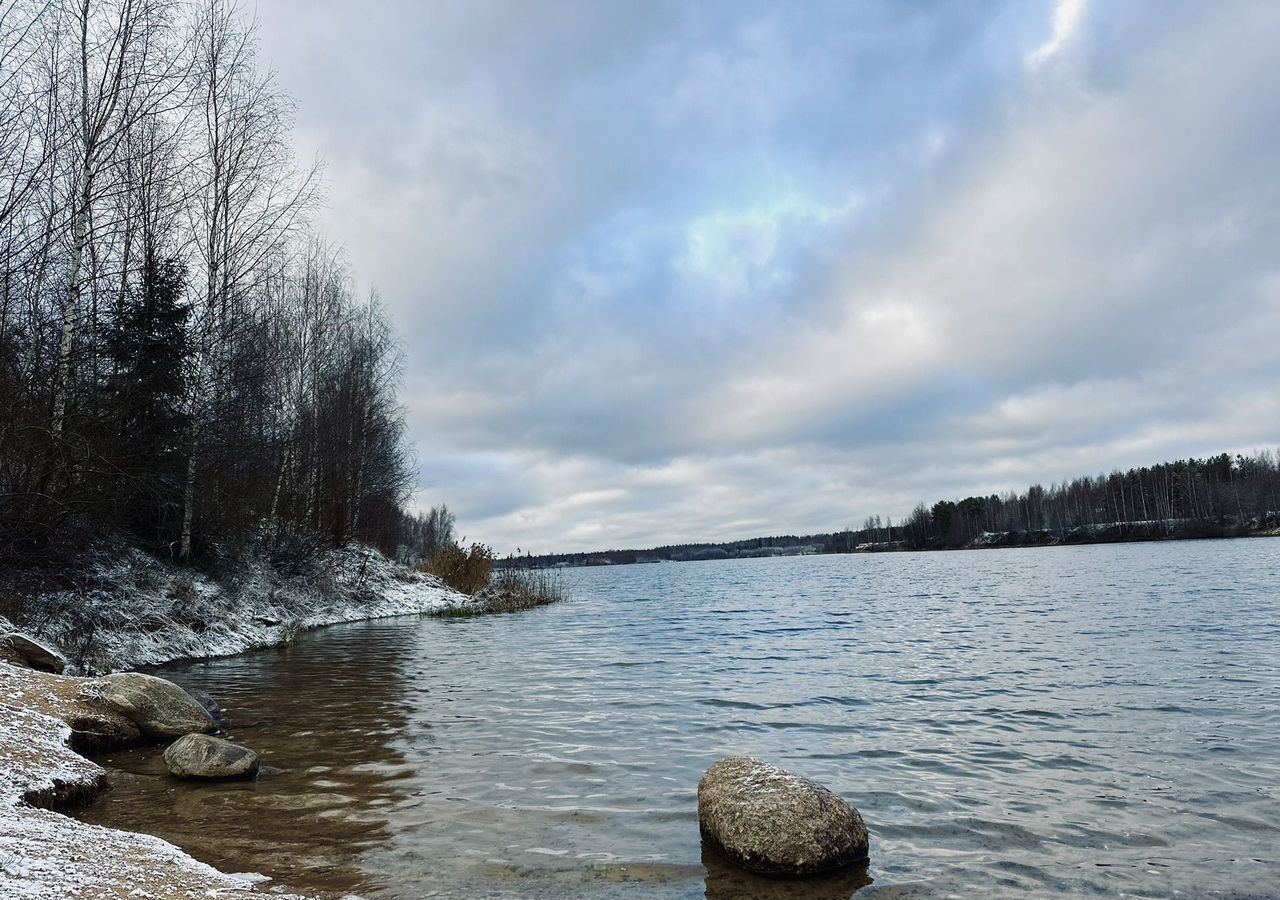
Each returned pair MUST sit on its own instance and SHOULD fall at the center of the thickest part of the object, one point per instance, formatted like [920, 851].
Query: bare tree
[124, 69]
[249, 199]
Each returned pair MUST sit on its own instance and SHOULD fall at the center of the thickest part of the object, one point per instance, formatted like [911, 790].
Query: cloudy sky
[677, 271]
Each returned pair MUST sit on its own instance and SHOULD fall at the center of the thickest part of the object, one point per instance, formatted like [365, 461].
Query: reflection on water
[1089, 720]
[325, 730]
[725, 881]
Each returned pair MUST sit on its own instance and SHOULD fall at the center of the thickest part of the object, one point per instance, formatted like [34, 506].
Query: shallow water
[1085, 720]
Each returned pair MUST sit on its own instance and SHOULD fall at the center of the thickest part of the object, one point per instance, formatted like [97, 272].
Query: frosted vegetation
[184, 362]
[131, 610]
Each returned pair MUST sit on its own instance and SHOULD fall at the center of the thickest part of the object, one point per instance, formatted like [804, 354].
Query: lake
[1092, 720]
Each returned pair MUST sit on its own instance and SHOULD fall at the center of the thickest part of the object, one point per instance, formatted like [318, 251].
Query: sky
[668, 272]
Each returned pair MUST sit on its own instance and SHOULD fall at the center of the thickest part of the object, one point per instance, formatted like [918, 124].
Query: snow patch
[138, 611]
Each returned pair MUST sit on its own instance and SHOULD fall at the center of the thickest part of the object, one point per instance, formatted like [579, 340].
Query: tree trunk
[70, 307]
[188, 500]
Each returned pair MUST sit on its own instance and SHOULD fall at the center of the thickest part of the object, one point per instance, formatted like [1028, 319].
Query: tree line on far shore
[1217, 496]
[182, 359]
[1211, 497]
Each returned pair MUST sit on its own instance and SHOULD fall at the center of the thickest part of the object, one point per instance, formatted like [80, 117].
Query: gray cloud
[669, 272]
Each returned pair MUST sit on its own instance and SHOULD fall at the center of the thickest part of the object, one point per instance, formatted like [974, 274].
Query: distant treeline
[1212, 497]
[781, 545]
[1219, 496]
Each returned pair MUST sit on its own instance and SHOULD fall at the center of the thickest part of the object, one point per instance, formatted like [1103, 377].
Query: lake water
[1081, 720]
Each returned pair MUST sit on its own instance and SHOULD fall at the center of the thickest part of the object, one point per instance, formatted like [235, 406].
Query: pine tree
[149, 349]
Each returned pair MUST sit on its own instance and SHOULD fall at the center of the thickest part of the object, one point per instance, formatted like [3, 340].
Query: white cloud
[1067, 16]
[670, 273]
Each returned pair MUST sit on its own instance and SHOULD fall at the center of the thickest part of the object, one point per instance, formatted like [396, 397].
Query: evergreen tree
[149, 350]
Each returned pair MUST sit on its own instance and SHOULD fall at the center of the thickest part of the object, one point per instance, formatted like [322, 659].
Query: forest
[184, 361]
[1218, 496]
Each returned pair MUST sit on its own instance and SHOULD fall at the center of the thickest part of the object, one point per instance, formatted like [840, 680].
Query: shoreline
[48, 855]
[1047, 541]
[985, 541]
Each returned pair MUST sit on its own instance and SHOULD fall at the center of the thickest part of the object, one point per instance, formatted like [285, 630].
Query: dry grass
[463, 570]
[512, 590]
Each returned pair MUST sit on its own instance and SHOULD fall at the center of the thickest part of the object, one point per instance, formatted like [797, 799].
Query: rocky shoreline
[46, 855]
[48, 719]
[759, 818]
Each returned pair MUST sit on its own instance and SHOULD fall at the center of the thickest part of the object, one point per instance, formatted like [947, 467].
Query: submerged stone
[202, 756]
[159, 708]
[772, 821]
[205, 699]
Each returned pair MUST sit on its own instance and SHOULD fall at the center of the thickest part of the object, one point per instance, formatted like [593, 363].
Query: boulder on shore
[771, 821]
[202, 756]
[97, 730]
[159, 708]
[36, 654]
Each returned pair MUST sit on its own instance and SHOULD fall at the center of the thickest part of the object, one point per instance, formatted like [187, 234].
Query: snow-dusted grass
[137, 611]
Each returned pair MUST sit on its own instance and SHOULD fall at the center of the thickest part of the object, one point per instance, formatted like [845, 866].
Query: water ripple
[1087, 721]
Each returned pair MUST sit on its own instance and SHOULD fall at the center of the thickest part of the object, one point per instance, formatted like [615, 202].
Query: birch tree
[124, 68]
[249, 199]
[181, 362]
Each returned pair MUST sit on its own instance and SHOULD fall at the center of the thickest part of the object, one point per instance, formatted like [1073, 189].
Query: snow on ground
[48, 856]
[134, 612]
[45, 855]
[137, 611]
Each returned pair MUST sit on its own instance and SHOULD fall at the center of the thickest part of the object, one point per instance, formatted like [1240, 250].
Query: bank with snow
[129, 610]
[139, 612]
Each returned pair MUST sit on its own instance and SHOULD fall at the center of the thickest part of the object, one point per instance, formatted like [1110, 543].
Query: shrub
[463, 570]
[517, 589]
[512, 590]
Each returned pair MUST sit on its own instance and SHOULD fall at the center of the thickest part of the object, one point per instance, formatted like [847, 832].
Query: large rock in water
[201, 756]
[36, 654]
[159, 708]
[770, 821]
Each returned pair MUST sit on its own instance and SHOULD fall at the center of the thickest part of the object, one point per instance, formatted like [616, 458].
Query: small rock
[771, 821]
[202, 756]
[159, 708]
[100, 730]
[37, 655]
[205, 699]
